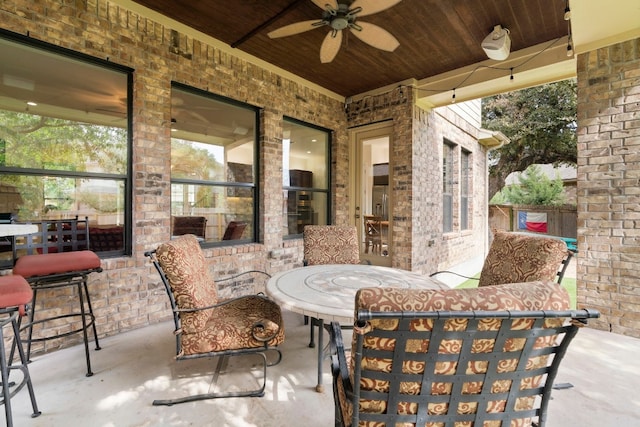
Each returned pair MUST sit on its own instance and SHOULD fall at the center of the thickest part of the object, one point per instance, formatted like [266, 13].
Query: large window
[64, 139]
[306, 178]
[213, 167]
[447, 187]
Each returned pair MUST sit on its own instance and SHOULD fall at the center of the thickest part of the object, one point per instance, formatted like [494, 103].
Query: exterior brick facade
[128, 294]
[608, 269]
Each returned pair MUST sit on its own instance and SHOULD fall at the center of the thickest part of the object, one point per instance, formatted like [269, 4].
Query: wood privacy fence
[561, 221]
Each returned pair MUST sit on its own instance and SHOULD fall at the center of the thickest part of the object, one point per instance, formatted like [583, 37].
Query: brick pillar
[608, 269]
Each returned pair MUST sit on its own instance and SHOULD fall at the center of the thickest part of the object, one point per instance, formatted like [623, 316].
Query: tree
[541, 124]
[51, 152]
[535, 189]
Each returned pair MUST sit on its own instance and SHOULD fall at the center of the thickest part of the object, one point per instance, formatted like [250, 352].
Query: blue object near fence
[572, 244]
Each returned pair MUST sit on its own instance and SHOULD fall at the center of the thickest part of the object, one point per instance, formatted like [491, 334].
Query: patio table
[17, 229]
[327, 292]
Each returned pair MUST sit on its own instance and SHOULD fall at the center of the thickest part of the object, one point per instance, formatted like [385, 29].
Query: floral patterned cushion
[245, 322]
[331, 244]
[515, 257]
[184, 264]
[517, 296]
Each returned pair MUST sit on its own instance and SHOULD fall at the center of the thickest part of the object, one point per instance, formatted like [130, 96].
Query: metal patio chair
[234, 230]
[206, 326]
[329, 244]
[518, 257]
[196, 225]
[457, 357]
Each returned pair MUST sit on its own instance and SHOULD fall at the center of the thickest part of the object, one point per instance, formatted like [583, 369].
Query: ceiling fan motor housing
[340, 18]
[339, 23]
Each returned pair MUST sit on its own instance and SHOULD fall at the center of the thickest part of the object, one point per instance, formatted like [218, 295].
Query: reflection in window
[305, 176]
[447, 187]
[213, 183]
[465, 186]
[64, 139]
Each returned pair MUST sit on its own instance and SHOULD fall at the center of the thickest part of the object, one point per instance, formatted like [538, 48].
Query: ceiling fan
[341, 15]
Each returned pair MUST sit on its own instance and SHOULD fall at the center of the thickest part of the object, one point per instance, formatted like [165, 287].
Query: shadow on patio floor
[134, 368]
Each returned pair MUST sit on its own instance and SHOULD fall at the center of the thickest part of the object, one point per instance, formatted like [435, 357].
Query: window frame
[45, 48]
[255, 186]
[327, 192]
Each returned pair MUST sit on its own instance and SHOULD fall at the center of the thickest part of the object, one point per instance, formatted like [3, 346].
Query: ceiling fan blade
[369, 7]
[291, 29]
[330, 46]
[322, 3]
[376, 36]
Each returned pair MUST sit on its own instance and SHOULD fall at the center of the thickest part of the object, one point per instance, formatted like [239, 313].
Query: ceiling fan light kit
[342, 15]
[497, 45]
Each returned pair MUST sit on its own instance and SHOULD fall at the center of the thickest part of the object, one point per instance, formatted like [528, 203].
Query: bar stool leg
[24, 367]
[85, 335]
[7, 364]
[83, 292]
[6, 392]
[93, 318]
[30, 326]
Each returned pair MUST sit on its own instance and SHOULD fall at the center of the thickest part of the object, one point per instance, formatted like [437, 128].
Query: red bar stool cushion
[56, 263]
[15, 291]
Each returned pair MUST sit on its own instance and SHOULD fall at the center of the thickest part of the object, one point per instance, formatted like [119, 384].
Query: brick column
[608, 269]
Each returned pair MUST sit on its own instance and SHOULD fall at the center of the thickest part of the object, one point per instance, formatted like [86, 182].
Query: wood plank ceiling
[435, 36]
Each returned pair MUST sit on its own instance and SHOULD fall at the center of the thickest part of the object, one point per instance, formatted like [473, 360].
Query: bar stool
[15, 294]
[58, 270]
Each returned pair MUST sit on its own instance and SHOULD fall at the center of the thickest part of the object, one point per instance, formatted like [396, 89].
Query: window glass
[447, 188]
[305, 174]
[464, 189]
[64, 139]
[213, 178]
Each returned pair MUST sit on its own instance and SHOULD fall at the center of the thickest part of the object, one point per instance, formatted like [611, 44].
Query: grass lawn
[569, 284]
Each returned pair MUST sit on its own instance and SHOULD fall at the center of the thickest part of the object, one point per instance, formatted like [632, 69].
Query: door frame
[356, 136]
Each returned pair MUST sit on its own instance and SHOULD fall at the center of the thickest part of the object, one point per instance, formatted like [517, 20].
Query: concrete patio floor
[134, 368]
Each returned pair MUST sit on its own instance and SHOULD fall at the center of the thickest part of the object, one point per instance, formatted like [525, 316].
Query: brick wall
[608, 189]
[128, 293]
[416, 156]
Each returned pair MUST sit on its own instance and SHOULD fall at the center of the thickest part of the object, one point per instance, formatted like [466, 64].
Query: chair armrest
[339, 365]
[453, 272]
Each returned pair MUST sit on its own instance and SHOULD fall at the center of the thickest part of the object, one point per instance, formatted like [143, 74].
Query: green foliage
[540, 122]
[47, 148]
[38, 142]
[499, 198]
[535, 189]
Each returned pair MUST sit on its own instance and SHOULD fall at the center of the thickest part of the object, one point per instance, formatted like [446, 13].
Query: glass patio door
[372, 209]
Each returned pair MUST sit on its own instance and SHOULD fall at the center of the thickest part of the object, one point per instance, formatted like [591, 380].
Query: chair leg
[6, 392]
[24, 366]
[7, 364]
[85, 335]
[259, 392]
[30, 326]
[312, 338]
[83, 292]
[95, 330]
